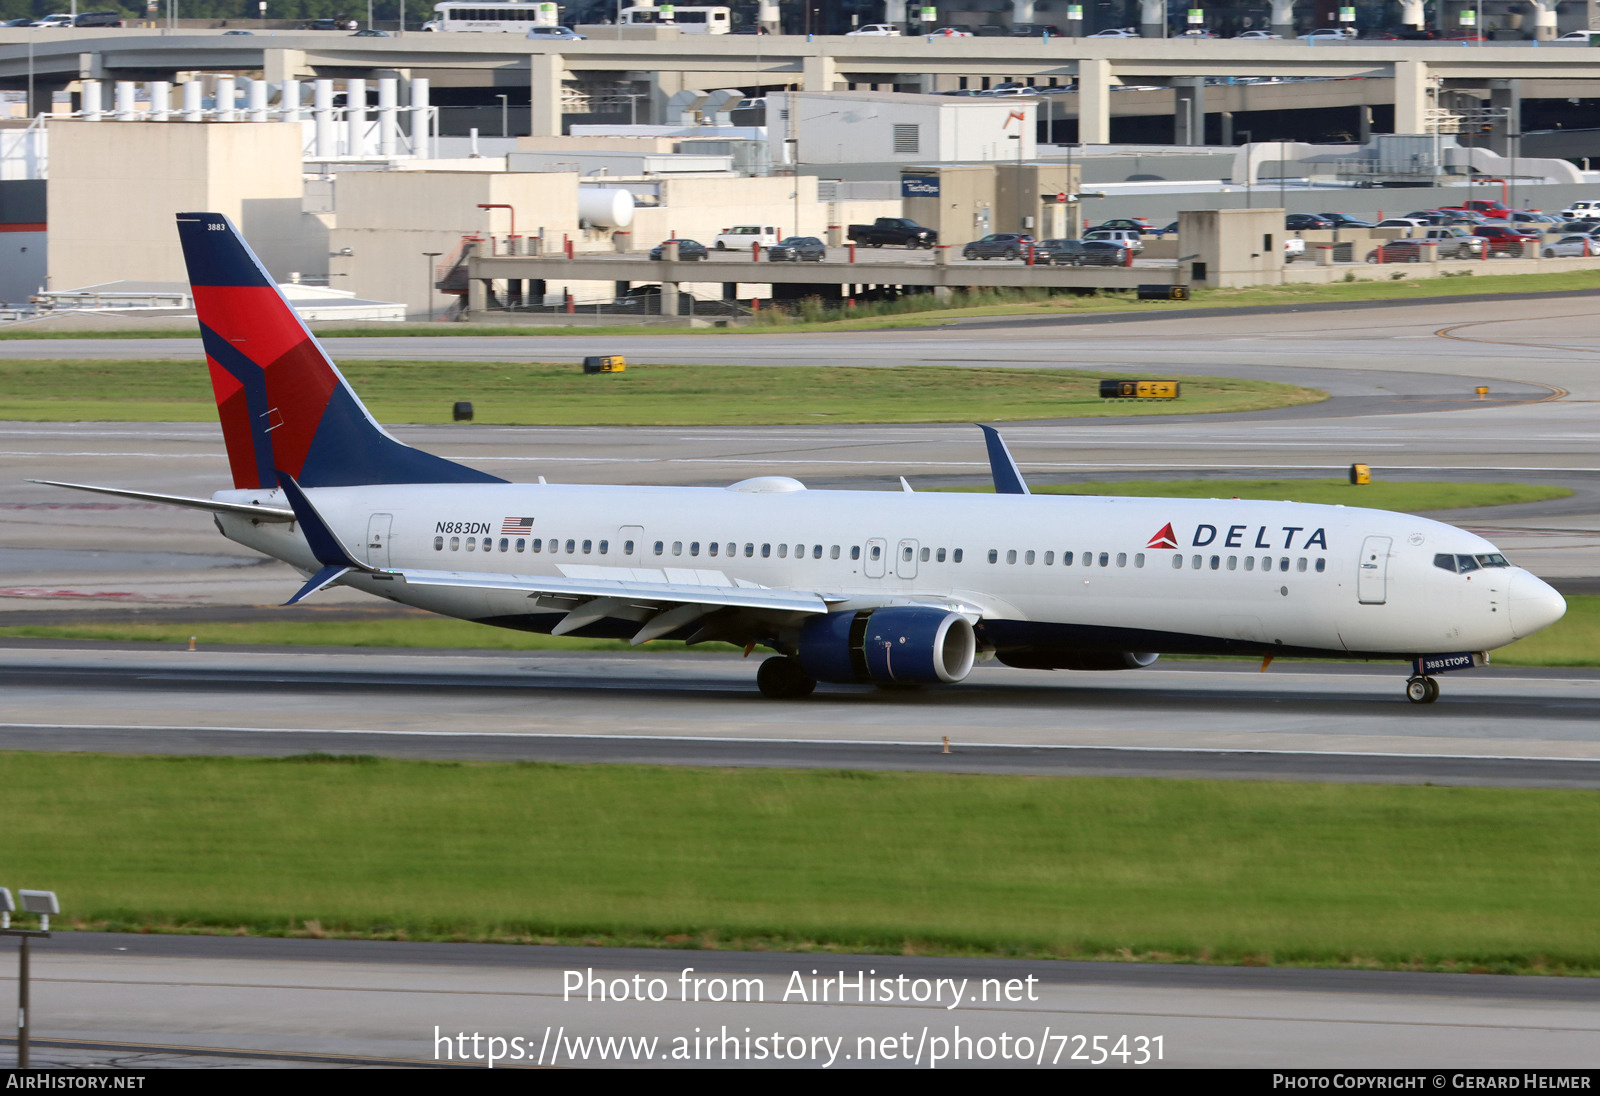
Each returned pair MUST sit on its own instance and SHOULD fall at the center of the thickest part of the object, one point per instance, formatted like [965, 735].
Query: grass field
[667, 395]
[1410, 497]
[1236, 872]
[916, 311]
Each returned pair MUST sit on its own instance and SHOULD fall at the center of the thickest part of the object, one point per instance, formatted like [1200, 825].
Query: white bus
[688, 20]
[491, 18]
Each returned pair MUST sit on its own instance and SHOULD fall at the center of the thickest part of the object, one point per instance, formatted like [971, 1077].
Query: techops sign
[919, 186]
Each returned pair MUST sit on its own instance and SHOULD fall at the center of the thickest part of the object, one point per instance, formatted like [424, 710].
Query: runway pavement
[152, 1001]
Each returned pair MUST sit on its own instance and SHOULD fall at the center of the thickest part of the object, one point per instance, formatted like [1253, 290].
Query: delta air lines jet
[846, 586]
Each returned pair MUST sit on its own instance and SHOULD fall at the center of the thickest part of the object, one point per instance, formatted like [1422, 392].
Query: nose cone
[1534, 605]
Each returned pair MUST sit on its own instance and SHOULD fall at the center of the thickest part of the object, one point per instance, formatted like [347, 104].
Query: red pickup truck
[1496, 210]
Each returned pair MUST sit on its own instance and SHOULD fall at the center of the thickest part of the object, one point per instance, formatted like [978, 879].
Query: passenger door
[1372, 579]
[634, 535]
[873, 565]
[905, 560]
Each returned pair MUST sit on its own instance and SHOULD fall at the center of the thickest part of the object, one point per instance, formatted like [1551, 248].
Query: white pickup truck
[1293, 248]
[740, 237]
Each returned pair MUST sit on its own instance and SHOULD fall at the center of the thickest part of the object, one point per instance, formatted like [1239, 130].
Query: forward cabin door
[378, 526]
[1372, 580]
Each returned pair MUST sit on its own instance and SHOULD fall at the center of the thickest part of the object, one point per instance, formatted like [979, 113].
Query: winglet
[324, 544]
[1007, 480]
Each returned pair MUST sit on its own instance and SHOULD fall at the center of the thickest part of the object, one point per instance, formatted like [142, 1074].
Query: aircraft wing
[743, 597]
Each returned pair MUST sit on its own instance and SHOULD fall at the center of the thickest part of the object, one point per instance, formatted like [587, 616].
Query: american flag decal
[513, 526]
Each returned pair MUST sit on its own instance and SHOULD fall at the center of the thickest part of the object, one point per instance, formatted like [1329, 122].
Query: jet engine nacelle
[904, 644]
[1034, 659]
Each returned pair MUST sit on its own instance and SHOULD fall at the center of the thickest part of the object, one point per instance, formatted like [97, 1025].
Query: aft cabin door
[378, 539]
[1372, 580]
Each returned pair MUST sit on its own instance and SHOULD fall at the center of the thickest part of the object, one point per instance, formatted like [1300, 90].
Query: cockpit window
[1445, 561]
[1466, 563]
[1492, 559]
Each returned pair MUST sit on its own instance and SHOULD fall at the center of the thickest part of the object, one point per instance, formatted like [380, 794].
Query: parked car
[1454, 242]
[249, 33]
[1305, 222]
[1578, 36]
[1407, 223]
[1127, 237]
[369, 32]
[1534, 219]
[1405, 250]
[1582, 210]
[98, 19]
[1133, 224]
[688, 250]
[1116, 32]
[1583, 225]
[1064, 252]
[1034, 30]
[1329, 34]
[1577, 244]
[1504, 240]
[1494, 211]
[1293, 248]
[1168, 230]
[1402, 34]
[740, 237]
[892, 230]
[322, 24]
[1255, 35]
[797, 249]
[1423, 217]
[555, 34]
[60, 19]
[950, 32]
[998, 245]
[1009, 90]
[25, 21]
[1340, 220]
[874, 30]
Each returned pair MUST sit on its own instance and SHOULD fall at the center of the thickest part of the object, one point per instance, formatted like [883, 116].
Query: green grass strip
[1230, 872]
[1408, 496]
[648, 395]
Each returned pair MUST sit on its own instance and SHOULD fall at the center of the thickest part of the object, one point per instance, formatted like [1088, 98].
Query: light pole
[430, 256]
[44, 904]
[505, 130]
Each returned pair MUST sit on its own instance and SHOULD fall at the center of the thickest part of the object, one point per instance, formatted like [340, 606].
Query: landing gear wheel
[782, 679]
[1422, 690]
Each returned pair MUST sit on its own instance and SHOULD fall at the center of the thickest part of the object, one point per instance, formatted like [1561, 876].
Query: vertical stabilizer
[284, 406]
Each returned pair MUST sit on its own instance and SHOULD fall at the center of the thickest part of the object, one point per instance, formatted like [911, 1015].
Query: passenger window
[438, 544]
[537, 544]
[1027, 557]
[1122, 559]
[733, 549]
[925, 555]
[1233, 563]
[455, 544]
[1049, 558]
[1011, 555]
[1105, 559]
[1249, 563]
[766, 551]
[955, 555]
[677, 547]
[1066, 559]
[472, 544]
[1266, 563]
[783, 551]
[1138, 560]
[522, 545]
[833, 553]
[1283, 563]
[711, 549]
[994, 555]
[1195, 563]
[1216, 563]
[1177, 563]
[1321, 565]
[799, 551]
[694, 547]
[749, 550]
[816, 552]
[1088, 559]
[505, 544]
[572, 547]
[659, 546]
[1445, 561]
[1300, 564]
[604, 545]
[588, 546]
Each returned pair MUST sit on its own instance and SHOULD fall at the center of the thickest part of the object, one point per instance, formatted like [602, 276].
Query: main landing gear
[782, 678]
[1419, 690]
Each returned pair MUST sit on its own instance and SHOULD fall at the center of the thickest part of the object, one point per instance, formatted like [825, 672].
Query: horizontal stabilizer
[321, 580]
[259, 513]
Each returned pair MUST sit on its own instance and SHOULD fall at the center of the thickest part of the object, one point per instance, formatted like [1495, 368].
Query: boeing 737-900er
[846, 586]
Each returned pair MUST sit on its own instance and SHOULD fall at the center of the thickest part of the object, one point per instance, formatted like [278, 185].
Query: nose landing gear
[1422, 690]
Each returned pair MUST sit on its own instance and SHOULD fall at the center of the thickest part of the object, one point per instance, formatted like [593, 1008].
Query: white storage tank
[605, 206]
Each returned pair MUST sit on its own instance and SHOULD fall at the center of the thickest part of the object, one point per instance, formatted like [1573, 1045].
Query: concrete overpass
[670, 62]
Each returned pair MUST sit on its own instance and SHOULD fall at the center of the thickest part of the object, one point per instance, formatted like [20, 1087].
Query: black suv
[1302, 222]
[998, 245]
[1080, 253]
[98, 19]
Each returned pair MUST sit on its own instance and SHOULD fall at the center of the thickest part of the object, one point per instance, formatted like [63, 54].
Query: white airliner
[847, 586]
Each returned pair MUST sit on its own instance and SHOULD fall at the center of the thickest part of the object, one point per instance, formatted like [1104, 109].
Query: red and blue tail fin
[284, 405]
